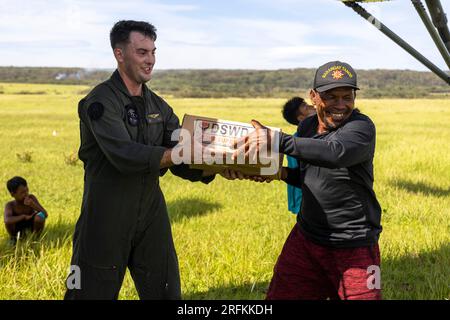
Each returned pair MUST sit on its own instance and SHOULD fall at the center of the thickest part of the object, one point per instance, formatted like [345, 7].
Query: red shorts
[308, 271]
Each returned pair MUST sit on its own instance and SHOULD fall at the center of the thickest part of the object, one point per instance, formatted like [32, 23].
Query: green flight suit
[124, 221]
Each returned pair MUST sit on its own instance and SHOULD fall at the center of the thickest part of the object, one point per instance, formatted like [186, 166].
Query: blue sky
[200, 34]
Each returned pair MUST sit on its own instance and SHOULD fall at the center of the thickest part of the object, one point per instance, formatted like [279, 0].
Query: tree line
[243, 83]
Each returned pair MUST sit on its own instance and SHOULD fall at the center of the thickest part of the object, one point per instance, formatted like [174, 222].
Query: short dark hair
[291, 109]
[14, 183]
[120, 32]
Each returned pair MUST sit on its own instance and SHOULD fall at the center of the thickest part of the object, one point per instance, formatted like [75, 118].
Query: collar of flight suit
[117, 81]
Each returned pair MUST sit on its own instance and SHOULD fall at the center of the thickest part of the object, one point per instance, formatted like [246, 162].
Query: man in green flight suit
[126, 146]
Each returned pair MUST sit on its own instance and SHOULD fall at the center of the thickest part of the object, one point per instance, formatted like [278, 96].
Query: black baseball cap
[334, 74]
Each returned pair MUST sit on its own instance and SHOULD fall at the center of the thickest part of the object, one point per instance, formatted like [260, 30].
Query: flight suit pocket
[105, 225]
[155, 128]
[98, 283]
[105, 273]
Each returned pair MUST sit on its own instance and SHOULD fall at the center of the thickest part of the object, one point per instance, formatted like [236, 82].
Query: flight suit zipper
[142, 122]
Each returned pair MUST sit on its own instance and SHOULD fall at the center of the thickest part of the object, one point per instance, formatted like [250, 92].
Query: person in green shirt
[126, 145]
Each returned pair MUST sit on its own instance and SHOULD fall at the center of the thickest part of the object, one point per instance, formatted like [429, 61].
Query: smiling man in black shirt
[332, 252]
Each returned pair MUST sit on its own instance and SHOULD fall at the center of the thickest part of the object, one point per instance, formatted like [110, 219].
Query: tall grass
[228, 234]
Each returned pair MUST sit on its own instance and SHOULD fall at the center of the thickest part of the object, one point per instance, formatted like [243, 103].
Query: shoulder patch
[81, 102]
[95, 110]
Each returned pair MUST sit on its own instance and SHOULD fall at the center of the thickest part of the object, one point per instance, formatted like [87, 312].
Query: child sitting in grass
[24, 213]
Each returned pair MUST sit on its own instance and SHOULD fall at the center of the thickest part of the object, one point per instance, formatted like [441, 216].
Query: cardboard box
[218, 136]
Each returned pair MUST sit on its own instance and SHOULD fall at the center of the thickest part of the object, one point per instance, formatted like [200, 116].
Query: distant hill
[243, 83]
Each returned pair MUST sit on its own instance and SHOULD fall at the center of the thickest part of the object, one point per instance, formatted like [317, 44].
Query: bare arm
[36, 205]
[185, 172]
[10, 218]
[166, 160]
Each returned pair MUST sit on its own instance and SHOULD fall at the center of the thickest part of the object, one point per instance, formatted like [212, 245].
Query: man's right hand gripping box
[217, 137]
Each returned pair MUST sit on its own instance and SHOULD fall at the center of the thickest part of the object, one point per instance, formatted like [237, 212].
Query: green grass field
[228, 234]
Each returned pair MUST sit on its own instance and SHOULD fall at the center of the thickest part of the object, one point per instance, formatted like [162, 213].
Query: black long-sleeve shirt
[339, 206]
